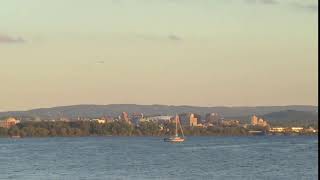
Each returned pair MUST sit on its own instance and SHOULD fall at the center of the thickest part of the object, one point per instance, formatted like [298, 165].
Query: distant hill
[113, 110]
[292, 117]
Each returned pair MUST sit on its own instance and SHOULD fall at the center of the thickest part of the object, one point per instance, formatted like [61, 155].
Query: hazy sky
[177, 52]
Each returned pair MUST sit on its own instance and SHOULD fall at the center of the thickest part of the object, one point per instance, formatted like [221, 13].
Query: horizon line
[222, 106]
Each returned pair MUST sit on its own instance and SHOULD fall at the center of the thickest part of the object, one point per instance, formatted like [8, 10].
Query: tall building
[124, 117]
[193, 121]
[188, 119]
[254, 120]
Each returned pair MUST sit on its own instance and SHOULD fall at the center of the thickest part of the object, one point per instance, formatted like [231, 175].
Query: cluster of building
[292, 129]
[186, 120]
[214, 119]
[255, 121]
[191, 120]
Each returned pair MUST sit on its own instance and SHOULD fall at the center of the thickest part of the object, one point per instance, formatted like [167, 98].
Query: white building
[159, 118]
[100, 121]
[297, 129]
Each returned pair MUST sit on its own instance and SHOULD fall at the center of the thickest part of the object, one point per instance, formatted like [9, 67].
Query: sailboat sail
[176, 138]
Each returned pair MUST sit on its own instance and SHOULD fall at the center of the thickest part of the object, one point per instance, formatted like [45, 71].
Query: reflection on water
[263, 157]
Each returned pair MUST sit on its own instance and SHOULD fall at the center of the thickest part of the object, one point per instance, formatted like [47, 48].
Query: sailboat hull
[174, 139]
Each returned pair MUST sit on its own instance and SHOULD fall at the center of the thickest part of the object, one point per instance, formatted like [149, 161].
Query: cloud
[147, 37]
[268, 2]
[307, 7]
[174, 37]
[100, 62]
[297, 5]
[9, 39]
[171, 37]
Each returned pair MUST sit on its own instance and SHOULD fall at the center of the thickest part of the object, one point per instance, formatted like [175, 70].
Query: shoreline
[112, 136]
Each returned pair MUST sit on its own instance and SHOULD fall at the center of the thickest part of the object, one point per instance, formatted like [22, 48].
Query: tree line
[118, 128]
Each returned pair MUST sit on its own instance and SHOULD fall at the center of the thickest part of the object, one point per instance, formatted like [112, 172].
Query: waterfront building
[277, 129]
[311, 129]
[7, 123]
[297, 129]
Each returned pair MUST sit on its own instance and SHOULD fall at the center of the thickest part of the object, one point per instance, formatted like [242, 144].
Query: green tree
[3, 132]
[14, 131]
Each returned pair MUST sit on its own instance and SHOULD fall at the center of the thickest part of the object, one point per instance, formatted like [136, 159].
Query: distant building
[255, 121]
[160, 118]
[136, 117]
[188, 120]
[143, 120]
[100, 121]
[277, 129]
[311, 129]
[157, 119]
[193, 120]
[64, 119]
[124, 117]
[108, 119]
[231, 122]
[206, 125]
[213, 118]
[7, 123]
[297, 129]
[262, 122]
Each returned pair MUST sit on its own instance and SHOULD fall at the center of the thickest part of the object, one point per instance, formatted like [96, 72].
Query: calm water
[268, 157]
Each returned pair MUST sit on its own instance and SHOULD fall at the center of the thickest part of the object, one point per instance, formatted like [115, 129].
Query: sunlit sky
[174, 52]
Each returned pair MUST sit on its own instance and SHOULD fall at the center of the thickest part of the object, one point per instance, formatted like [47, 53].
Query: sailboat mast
[181, 128]
[177, 125]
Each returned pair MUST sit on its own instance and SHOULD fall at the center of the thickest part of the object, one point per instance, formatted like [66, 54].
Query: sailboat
[176, 138]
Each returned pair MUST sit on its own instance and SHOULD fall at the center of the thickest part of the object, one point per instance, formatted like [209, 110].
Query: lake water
[259, 157]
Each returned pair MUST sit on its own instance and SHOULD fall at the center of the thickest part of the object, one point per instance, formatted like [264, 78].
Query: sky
[173, 52]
